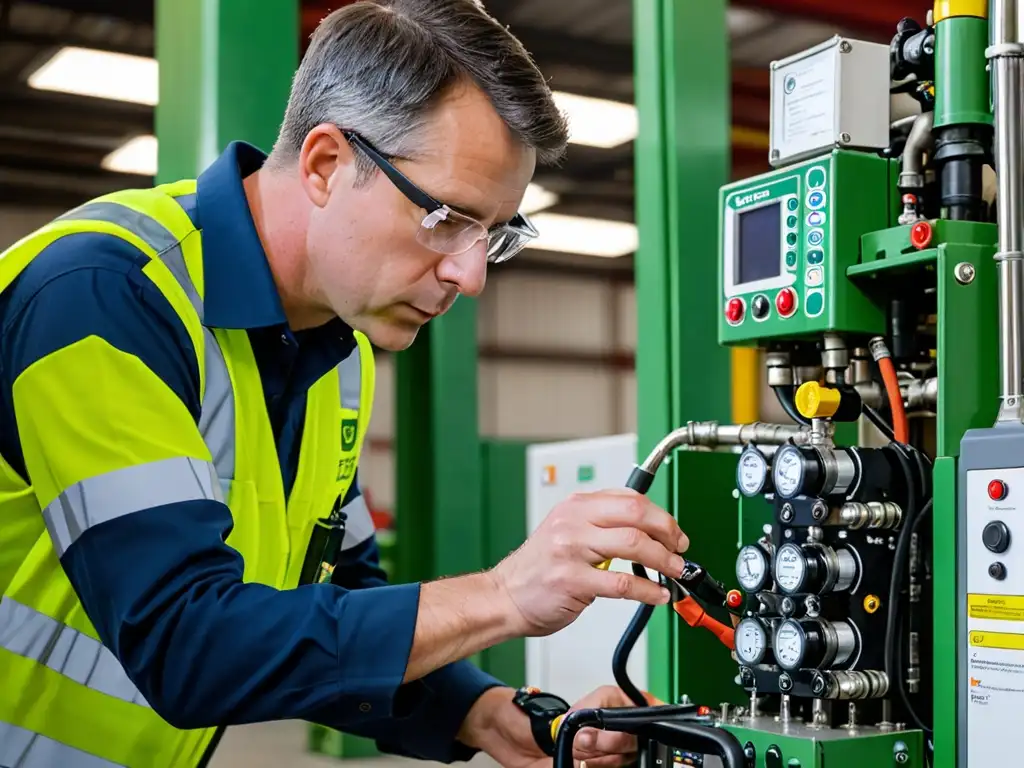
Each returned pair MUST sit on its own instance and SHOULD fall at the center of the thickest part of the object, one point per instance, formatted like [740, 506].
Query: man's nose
[466, 271]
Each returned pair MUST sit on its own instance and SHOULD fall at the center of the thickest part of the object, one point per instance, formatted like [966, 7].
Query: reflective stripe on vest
[30, 634]
[20, 748]
[36, 639]
[151, 232]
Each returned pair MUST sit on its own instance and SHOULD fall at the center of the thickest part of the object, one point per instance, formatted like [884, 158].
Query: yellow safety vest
[64, 698]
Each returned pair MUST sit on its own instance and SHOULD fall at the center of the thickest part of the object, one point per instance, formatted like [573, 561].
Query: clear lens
[449, 232]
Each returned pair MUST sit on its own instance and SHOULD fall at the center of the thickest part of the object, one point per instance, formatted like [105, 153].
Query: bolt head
[818, 684]
[964, 272]
[786, 513]
[845, 138]
[819, 510]
[785, 682]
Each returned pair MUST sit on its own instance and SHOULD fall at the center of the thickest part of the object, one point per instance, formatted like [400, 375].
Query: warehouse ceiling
[53, 145]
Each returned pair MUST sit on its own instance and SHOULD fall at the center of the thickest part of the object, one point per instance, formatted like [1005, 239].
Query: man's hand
[552, 577]
[498, 727]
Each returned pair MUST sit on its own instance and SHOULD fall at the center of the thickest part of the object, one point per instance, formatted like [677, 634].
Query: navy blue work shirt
[333, 654]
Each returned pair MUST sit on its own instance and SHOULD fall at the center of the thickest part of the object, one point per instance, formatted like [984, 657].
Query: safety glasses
[450, 232]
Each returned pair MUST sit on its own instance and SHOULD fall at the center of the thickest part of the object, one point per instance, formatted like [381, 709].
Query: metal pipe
[711, 434]
[918, 394]
[1005, 54]
[919, 141]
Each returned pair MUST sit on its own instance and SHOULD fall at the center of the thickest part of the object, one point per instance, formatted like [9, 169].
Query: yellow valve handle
[604, 566]
[814, 401]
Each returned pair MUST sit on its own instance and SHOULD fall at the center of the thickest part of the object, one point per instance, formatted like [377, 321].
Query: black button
[996, 537]
[760, 306]
[365, 707]
[997, 571]
[773, 757]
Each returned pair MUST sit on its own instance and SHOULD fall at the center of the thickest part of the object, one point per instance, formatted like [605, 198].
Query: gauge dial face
[752, 472]
[790, 567]
[752, 568]
[751, 641]
[790, 645]
[788, 472]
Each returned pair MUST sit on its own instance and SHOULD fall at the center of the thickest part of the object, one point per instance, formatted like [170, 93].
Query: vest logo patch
[349, 428]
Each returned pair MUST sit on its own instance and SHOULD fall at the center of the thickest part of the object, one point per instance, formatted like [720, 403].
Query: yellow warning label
[1000, 607]
[1006, 640]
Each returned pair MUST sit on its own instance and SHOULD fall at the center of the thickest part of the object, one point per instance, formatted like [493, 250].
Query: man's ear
[325, 160]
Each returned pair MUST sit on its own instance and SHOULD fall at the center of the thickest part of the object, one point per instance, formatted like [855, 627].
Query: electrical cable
[876, 418]
[786, 395]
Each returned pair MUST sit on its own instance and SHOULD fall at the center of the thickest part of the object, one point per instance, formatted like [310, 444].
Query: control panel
[991, 554]
[787, 238]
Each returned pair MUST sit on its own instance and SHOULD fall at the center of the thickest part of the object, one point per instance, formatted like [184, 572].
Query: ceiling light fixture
[598, 122]
[100, 74]
[591, 237]
[138, 155]
[537, 199]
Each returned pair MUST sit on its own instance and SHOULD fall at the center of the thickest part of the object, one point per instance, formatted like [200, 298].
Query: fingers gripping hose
[666, 724]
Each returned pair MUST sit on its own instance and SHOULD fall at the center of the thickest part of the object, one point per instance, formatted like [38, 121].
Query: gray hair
[378, 67]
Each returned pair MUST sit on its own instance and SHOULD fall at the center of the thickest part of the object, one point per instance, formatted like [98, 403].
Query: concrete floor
[283, 745]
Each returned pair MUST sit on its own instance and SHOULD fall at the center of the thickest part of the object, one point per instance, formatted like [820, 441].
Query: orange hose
[900, 427]
[694, 615]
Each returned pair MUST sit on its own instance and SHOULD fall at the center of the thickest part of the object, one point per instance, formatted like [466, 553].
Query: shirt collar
[239, 288]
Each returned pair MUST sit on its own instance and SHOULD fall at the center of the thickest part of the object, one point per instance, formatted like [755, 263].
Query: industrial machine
[871, 612]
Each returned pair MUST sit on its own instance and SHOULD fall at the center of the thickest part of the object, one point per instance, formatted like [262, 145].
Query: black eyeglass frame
[519, 225]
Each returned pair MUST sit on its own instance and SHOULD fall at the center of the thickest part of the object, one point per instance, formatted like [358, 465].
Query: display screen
[759, 243]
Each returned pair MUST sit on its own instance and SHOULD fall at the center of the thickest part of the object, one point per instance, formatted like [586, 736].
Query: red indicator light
[997, 490]
[921, 235]
[785, 302]
[734, 310]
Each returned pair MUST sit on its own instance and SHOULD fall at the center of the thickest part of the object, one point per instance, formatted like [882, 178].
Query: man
[185, 381]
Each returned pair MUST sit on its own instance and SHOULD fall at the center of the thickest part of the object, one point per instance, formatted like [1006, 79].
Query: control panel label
[1008, 641]
[997, 607]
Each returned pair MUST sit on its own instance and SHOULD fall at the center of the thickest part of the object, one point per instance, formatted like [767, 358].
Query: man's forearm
[457, 618]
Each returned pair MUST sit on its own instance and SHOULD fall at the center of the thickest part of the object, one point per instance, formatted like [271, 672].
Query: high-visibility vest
[64, 698]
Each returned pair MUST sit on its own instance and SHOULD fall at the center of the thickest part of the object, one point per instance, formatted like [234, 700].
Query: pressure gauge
[794, 471]
[752, 568]
[814, 569]
[813, 644]
[790, 567]
[752, 474]
[751, 641]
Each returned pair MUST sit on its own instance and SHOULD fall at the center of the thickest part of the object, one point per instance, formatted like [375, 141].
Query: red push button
[785, 302]
[997, 490]
[921, 235]
[734, 311]
[733, 598]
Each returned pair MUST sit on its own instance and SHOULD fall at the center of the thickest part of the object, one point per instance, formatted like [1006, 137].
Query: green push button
[791, 221]
[792, 203]
[815, 303]
[815, 257]
[791, 259]
[816, 178]
[791, 238]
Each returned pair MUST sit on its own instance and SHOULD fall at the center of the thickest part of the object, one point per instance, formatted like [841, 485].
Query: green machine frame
[867, 257]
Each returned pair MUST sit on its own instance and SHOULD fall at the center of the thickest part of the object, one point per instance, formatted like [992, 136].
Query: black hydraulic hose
[698, 738]
[786, 395]
[666, 724]
[626, 643]
[640, 480]
[892, 668]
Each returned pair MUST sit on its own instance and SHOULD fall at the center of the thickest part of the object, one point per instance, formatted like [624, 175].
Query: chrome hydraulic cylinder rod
[1005, 56]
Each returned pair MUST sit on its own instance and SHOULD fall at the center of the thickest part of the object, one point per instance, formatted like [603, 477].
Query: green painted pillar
[438, 462]
[683, 156]
[225, 72]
